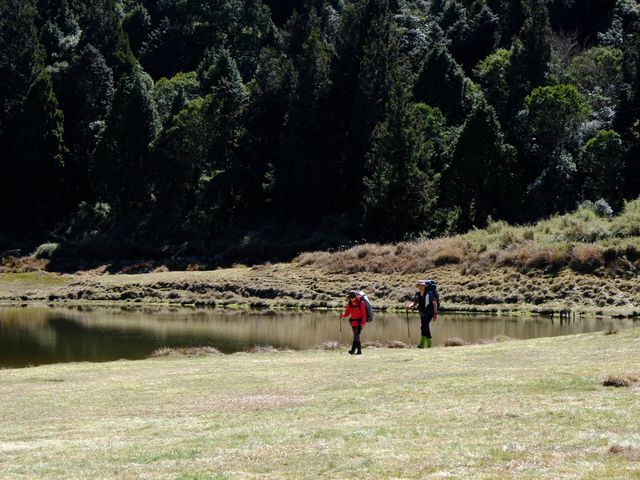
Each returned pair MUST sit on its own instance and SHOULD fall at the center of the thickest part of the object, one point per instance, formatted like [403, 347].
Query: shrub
[306, 258]
[632, 253]
[46, 250]
[584, 226]
[447, 251]
[627, 224]
[586, 258]
[600, 207]
[546, 257]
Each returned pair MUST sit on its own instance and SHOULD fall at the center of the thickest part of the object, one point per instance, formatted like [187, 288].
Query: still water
[34, 336]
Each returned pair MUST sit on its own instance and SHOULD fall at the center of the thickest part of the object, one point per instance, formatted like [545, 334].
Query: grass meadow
[522, 409]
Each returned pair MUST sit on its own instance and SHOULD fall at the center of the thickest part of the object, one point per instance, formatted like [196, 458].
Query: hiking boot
[359, 346]
[422, 340]
[429, 343]
[353, 348]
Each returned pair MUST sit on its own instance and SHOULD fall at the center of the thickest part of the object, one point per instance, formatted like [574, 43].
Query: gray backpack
[367, 304]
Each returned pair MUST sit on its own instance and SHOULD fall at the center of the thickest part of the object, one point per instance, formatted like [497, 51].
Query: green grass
[526, 409]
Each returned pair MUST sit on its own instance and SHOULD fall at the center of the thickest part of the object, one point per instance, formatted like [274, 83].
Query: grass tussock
[587, 258]
[628, 452]
[263, 349]
[454, 342]
[624, 380]
[330, 345]
[186, 351]
[397, 344]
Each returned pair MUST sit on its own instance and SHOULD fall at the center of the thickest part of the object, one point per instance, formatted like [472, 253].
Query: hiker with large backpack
[427, 301]
[356, 310]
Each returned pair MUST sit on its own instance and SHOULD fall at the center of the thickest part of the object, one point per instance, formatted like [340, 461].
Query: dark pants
[425, 318]
[356, 333]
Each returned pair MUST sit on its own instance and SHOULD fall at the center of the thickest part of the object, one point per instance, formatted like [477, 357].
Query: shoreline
[293, 287]
[493, 310]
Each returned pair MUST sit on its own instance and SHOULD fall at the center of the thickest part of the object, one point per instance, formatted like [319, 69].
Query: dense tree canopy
[189, 126]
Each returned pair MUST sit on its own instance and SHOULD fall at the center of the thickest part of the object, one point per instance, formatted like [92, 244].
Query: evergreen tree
[598, 73]
[490, 74]
[512, 17]
[473, 35]
[180, 158]
[627, 117]
[268, 106]
[21, 57]
[102, 28]
[481, 177]
[553, 119]
[60, 35]
[166, 51]
[85, 96]
[34, 176]
[601, 166]
[303, 154]
[377, 70]
[530, 56]
[402, 187]
[166, 90]
[137, 25]
[119, 169]
[442, 83]
[225, 113]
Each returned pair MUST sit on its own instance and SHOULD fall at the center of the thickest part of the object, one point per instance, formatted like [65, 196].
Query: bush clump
[586, 258]
[46, 251]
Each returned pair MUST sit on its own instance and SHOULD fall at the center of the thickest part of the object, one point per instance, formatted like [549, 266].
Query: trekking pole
[406, 310]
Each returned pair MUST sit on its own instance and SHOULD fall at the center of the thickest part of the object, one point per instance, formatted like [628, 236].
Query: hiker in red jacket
[357, 310]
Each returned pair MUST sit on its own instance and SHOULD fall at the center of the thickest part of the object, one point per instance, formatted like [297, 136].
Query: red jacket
[357, 312]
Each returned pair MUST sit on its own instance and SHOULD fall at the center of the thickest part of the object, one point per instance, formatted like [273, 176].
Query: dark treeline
[256, 128]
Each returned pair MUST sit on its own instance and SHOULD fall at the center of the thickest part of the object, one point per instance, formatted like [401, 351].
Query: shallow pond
[36, 336]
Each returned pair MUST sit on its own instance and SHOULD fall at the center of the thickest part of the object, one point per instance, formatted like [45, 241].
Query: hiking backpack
[432, 288]
[367, 304]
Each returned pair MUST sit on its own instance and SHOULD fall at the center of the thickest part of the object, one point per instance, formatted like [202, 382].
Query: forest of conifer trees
[258, 128]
